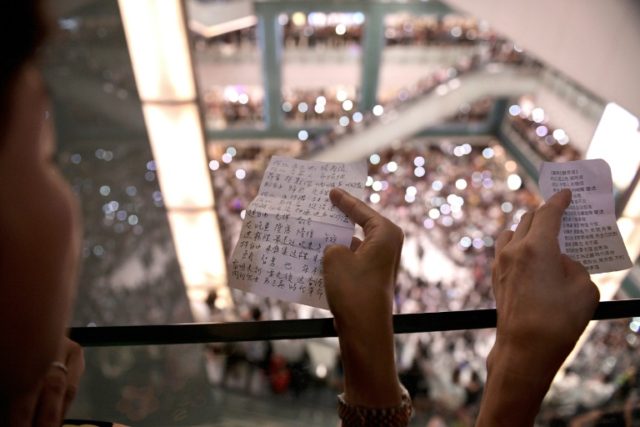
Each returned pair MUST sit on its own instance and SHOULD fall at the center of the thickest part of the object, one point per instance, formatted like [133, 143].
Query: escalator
[408, 119]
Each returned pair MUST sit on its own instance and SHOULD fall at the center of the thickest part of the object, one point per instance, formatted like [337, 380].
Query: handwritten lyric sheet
[589, 233]
[288, 225]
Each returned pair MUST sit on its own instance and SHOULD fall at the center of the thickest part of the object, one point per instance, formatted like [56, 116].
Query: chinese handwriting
[289, 224]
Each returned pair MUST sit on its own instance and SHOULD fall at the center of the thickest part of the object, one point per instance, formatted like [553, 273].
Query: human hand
[47, 403]
[544, 301]
[366, 272]
[359, 285]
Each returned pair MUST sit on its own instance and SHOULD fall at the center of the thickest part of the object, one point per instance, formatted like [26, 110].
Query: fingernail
[336, 192]
[567, 195]
[562, 192]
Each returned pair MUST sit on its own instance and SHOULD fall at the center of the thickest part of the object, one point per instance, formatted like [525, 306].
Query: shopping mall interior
[167, 113]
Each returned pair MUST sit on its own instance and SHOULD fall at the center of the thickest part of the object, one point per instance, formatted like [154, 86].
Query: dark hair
[23, 28]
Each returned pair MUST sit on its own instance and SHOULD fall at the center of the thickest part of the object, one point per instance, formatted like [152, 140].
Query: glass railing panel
[282, 383]
[290, 382]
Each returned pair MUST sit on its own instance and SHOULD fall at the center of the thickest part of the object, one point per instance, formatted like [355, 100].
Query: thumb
[337, 261]
[575, 271]
[336, 256]
[572, 268]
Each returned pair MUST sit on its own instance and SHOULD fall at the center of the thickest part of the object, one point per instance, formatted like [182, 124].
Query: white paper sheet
[589, 233]
[289, 224]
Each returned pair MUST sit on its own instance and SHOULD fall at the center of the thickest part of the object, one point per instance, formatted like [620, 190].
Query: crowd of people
[318, 30]
[309, 32]
[606, 393]
[474, 112]
[410, 30]
[242, 106]
[551, 143]
[233, 106]
[440, 81]
[499, 51]
[323, 105]
[357, 121]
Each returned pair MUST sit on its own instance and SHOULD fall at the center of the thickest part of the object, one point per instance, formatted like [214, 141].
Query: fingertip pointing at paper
[336, 194]
[565, 197]
[591, 222]
[299, 230]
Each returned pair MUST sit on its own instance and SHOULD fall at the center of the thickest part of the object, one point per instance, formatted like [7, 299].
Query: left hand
[47, 403]
[359, 282]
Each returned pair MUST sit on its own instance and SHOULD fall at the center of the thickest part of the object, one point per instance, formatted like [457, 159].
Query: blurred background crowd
[300, 88]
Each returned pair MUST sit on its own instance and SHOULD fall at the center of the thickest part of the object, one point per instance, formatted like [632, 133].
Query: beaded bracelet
[360, 416]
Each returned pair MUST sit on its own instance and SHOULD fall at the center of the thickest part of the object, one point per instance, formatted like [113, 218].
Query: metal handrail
[194, 333]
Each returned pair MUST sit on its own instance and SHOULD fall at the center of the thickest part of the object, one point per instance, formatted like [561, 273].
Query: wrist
[391, 416]
[370, 375]
[526, 362]
[376, 310]
[516, 385]
[510, 400]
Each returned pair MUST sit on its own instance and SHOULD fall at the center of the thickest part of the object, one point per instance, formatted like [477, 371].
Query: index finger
[548, 219]
[354, 208]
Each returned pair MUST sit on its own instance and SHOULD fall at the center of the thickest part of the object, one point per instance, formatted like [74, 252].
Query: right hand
[543, 298]
[544, 301]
